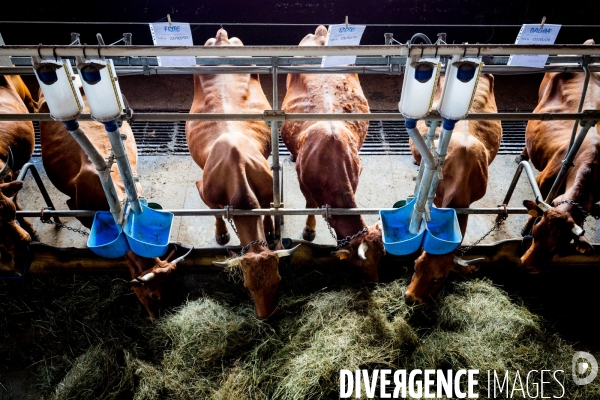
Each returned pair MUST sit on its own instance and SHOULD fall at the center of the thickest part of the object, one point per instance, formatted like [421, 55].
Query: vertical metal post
[427, 181]
[276, 167]
[584, 64]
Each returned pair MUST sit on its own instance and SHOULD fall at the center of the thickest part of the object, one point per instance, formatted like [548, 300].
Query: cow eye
[436, 281]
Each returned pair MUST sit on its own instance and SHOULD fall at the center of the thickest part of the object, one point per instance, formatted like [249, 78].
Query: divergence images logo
[585, 368]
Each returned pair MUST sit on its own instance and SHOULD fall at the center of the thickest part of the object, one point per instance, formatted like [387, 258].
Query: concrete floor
[170, 181]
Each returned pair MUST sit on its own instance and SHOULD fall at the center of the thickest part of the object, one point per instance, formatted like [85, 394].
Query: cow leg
[221, 234]
[309, 233]
[524, 156]
[269, 228]
[26, 225]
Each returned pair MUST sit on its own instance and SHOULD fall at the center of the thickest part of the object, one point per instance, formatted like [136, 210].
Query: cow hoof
[520, 158]
[34, 237]
[222, 239]
[309, 234]
[292, 158]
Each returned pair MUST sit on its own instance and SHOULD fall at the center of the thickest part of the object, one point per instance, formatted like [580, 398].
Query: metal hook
[54, 53]
[421, 50]
[83, 48]
[39, 53]
[465, 50]
[227, 212]
[99, 55]
[478, 51]
[436, 50]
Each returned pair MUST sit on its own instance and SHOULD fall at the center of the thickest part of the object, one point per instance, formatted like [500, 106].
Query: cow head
[261, 276]
[13, 239]
[555, 232]
[222, 39]
[431, 272]
[365, 252]
[148, 278]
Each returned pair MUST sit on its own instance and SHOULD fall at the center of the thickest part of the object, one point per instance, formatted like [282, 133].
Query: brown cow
[546, 146]
[16, 147]
[233, 155]
[71, 172]
[473, 147]
[326, 156]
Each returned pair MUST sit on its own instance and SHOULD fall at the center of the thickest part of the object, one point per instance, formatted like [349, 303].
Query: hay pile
[217, 349]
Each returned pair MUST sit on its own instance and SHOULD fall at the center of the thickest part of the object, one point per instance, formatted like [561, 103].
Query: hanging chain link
[497, 225]
[346, 241]
[246, 247]
[50, 222]
[574, 203]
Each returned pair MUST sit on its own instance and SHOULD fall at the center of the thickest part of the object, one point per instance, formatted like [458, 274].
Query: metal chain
[585, 213]
[50, 222]
[497, 225]
[346, 241]
[246, 247]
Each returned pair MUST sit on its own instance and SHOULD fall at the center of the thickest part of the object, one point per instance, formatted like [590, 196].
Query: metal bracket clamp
[227, 209]
[326, 209]
[272, 205]
[504, 212]
[274, 115]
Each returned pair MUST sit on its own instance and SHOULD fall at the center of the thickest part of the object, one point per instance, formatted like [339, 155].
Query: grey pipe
[585, 116]
[103, 173]
[421, 145]
[275, 152]
[530, 177]
[568, 161]
[123, 163]
[266, 211]
[581, 100]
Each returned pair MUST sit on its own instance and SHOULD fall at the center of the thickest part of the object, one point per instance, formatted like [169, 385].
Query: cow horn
[228, 263]
[543, 206]
[577, 230]
[286, 252]
[466, 263]
[175, 261]
[362, 250]
[8, 166]
[147, 277]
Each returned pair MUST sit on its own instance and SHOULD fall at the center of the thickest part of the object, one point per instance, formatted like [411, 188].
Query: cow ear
[583, 246]
[11, 188]
[532, 207]
[341, 254]
[232, 253]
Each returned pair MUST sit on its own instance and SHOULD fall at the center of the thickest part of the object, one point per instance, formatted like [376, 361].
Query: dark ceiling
[485, 16]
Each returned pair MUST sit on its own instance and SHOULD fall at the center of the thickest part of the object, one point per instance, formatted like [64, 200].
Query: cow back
[227, 93]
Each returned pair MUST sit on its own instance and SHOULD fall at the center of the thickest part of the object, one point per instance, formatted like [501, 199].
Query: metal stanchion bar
[530, 177]
[384, 69]
[40, 184]
[433, 116]
[275, 152]
[314, 51]
[268, 211]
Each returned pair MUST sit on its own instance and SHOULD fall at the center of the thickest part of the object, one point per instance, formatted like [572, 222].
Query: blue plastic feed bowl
[397, 239]
[442, 235]
[148, 233]
[106, 237]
